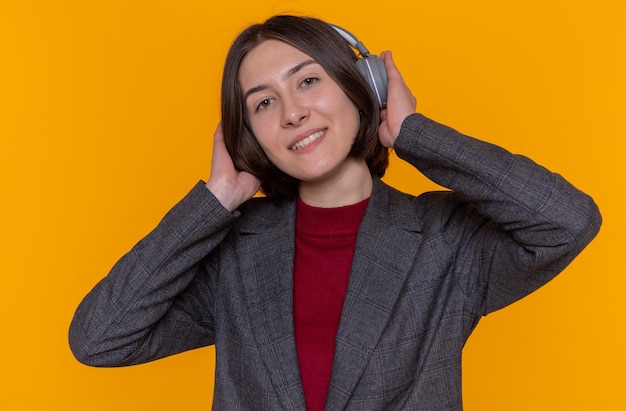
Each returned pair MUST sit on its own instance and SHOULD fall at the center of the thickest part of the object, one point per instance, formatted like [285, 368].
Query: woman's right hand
[400, 103]
[229, 185]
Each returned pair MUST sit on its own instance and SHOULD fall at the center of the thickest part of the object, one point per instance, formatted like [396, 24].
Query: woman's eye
[309, 81]
[264, 104]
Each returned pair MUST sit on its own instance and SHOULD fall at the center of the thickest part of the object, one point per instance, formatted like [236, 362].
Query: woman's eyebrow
[288, 74]
[298, 67]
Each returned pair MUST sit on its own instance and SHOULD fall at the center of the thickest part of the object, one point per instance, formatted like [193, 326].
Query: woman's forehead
[272, 50]
[271, 60]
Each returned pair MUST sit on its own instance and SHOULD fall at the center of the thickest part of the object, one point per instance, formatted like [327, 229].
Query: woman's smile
[305, 142]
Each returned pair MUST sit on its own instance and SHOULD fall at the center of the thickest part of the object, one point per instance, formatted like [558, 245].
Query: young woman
[333, 290]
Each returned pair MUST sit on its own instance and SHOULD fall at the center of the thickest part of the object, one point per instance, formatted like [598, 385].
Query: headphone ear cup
[373, 69]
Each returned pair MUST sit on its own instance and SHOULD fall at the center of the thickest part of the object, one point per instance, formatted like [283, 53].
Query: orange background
[107, 110]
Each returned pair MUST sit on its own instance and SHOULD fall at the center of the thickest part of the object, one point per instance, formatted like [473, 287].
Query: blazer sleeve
[519, 225]
[156, 299]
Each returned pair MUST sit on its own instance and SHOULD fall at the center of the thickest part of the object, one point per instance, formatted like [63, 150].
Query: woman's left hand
[400, 103]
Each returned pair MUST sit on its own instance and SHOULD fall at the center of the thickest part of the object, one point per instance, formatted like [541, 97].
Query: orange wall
[107, 110]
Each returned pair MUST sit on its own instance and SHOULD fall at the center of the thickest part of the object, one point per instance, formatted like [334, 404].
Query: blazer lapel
[266, 250]
[379, 270]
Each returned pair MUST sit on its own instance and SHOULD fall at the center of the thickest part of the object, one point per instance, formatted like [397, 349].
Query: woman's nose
[294, 112]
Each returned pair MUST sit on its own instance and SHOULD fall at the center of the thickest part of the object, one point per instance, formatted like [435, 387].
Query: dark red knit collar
[329, 221]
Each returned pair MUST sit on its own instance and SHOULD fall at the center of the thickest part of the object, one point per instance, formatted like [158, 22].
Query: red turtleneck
[325, 240]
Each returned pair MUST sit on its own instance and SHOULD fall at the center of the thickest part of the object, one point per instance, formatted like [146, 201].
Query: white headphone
[370, 66]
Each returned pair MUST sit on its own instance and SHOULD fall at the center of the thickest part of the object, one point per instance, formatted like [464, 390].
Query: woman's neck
[349, 185]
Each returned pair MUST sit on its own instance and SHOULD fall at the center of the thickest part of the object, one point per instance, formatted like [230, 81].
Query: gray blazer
[425, 270]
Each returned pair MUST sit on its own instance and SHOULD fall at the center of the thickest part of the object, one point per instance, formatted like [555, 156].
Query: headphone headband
[369, 65]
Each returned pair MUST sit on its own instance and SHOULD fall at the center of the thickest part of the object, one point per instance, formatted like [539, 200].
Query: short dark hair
[319, 40]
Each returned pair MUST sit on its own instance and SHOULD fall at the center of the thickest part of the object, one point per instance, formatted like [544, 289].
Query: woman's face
[304, 122]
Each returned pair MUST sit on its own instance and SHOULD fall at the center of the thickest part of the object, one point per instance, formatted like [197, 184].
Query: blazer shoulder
[412, 211]
[261, 213]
